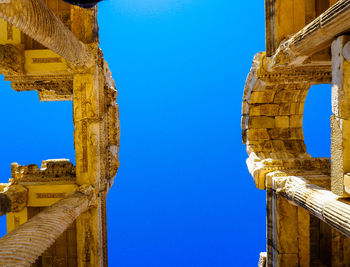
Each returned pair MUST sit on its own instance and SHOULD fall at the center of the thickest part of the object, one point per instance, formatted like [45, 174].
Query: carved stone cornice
[54, 170]
[49, 87]
[112, 125]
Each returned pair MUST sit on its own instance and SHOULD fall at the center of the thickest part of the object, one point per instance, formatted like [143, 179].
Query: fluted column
[25, 244]
[316, 35]
[35, 19]
[319, 202]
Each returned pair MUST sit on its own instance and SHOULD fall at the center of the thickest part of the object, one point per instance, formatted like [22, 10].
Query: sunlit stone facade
[56, 213]
[308, 207]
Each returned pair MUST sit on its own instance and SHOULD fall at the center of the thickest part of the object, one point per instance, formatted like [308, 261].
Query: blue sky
[183, 195]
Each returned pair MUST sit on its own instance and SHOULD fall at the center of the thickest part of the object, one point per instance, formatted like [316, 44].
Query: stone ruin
[307, 198]
[56, 214]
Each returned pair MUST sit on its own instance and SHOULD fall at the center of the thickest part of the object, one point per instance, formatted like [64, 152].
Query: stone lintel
[43, 71]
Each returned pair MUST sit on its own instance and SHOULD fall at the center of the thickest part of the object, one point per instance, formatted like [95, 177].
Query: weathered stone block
[288, 260]
[284, 109]
[261, 97]
[288, 108]
[296, 121]
[301, 108]
[340, 249]
[296, 133]
[261, 122]
[244, 122]
[282, 121]
[262, 259]
[279, 133]
[257, 134]
[285, 96]
[340, 153]
[245, 108]
[287, 226]
[264, 110]
[278, 146]
[244, 136]
[261, 146]
[286, 133]
[340, 80]
[303, 95]
[303, 237]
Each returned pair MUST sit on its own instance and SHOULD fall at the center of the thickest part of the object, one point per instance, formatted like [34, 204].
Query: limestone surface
[307, 198]
[56, 213]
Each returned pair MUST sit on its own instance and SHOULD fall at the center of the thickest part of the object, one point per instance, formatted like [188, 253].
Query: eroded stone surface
[273, 116]
[61, 60]
[307, 224]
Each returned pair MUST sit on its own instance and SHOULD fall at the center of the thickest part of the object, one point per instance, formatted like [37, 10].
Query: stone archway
[272, 119]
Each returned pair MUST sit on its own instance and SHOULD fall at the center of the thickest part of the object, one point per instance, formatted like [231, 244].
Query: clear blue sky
[183, 195]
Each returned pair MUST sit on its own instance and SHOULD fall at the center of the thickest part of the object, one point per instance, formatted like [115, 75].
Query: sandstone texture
[307, 198]
[56, 212]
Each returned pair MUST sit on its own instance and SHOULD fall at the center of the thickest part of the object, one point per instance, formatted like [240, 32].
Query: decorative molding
[54, 170]
[49, 87]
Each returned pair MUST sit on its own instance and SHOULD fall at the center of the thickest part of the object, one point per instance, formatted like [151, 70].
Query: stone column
[89, 142]
[36, 20]
[88, 124]
[283, 246]
[315, 36]
[22, 246]
[340, 120]
[319, 202]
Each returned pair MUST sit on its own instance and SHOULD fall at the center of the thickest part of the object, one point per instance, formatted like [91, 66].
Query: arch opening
[316, 121]
[32, 130]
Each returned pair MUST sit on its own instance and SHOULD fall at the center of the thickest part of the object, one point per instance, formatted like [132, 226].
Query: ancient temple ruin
[56, 213]
[308, 205]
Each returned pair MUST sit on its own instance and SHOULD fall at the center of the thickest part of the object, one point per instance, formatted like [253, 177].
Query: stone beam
[314, 37]
[35, 19]
[319, 202]
[22, 246]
